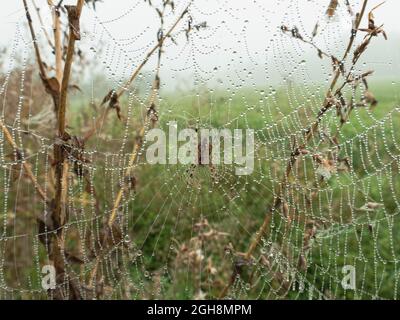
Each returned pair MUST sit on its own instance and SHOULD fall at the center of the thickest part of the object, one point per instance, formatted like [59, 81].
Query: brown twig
[61, 170]
[57, 40]
[59, 155]
[34, 40]
[25, 164]
[52, 85]
[138, 144]
[295, 33]
[135, 73]
[151, 52]
[152, 97]
[46, 34]
[73, 14]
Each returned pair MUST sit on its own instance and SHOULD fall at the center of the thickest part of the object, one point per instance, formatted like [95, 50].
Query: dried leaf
[369, 98]
[113, 102]
[108, 96]
[53, 85]
[360, 49]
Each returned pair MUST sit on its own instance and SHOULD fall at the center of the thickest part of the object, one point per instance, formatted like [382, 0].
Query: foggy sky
[242, 43]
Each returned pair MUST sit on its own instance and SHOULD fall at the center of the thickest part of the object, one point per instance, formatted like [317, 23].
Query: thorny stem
[296, 151]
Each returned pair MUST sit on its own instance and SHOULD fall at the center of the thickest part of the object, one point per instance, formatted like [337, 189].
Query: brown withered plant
[343, 70]
[52, 223]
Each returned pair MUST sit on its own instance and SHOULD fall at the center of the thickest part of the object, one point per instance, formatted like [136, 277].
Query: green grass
[170, 207]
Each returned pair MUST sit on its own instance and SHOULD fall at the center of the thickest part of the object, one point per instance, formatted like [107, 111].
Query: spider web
[181, 231]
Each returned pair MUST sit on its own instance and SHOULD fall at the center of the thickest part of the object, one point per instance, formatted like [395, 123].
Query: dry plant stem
[296, 151]
[97, 124]
[121, 91]
[138, 144]
[26, 166]
[151, 52]
[61, 170]
[67, 72]
[343, 85]
[315, 46]
[35, 44]
[309, 135]
[57, 40]
[42, 68]
[42, 25]
[326, 107]
[136, 147]
[59, 155]
[118, 199]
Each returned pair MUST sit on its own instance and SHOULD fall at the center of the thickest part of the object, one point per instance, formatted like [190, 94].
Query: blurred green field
[171, 200]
